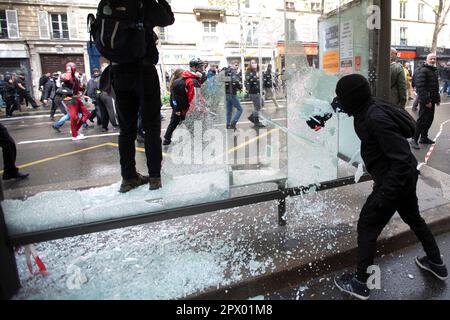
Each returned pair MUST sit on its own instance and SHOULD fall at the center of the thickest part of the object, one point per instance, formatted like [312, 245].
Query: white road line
[58, 115]
[432, 148]
[68, 138]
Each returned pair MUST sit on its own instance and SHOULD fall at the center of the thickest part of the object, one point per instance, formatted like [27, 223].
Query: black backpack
[178, 95]
[118, 30]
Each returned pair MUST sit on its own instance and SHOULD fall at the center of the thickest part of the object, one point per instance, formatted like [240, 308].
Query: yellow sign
[331, 61]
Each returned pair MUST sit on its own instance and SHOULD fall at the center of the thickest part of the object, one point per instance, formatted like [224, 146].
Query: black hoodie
[383, 129]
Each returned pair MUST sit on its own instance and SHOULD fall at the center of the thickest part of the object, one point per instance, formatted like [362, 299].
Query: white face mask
[254, 65]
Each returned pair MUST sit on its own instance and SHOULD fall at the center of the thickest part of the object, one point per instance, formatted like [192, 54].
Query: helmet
[196, 62]
[72, 66]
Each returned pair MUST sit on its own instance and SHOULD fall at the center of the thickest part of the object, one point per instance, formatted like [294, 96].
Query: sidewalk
[231, 254]
[320, 236]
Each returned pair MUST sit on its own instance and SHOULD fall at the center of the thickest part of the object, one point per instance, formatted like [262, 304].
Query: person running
[74, 103]
[178, 101]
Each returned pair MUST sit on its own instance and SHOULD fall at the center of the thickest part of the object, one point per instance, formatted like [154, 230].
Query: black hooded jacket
[426, 82]
[383, 129]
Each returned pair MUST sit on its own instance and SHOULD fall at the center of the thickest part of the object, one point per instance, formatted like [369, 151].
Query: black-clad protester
[10, 95]
[136, 85]
[383, 129]
[24, 94]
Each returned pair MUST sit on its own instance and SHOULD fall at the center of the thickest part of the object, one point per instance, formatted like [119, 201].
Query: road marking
[67, 139]
[259, 137]
[142, 150]
[431, 150]
[26, 165]
[29, 117]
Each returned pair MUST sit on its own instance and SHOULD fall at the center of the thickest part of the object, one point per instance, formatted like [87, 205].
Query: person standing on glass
[137, 87]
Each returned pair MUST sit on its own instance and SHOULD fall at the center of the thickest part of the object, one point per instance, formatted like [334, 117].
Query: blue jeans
[233, 101]
[65, 118]
[61, 121]
[257, 103]
[446, 86]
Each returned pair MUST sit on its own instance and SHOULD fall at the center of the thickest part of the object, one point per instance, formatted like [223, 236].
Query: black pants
[28, 98]
[57, 103]
[11, 105]
[373, 220]
[106, 107]
[9, 151]
[424, 122]
[174, 122]
[135, 86]
[96, 113]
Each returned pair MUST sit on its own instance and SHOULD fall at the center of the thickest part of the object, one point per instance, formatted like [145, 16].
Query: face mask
[254, 65]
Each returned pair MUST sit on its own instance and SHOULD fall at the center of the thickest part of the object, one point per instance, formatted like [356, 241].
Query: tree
[441, 11]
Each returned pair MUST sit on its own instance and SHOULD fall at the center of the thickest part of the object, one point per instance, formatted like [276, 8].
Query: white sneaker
[81, 137]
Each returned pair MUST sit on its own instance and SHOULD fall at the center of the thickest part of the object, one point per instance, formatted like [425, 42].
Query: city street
[55, 162]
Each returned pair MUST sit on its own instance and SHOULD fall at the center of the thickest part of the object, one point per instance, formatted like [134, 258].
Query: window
[291, 30]
[247, 4]
[210, 32]
[421, 11]
[252, 33]
[403, 36]
[162, 34]
[316, 7]
[9, 25]
[290, 5]
[402, 9]
[3, 25]
[60, 27]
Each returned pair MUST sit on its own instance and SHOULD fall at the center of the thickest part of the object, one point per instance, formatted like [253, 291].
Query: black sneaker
[251, 119]
[414, 144]
[128, 185]
[155, 183]
[427, 141]
[349, 284]
[438, 270]
[167, 142]
[105, 130]
[15, 176]
[56, 129]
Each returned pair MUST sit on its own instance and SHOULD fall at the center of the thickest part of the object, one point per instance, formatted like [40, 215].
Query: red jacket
[193, 86]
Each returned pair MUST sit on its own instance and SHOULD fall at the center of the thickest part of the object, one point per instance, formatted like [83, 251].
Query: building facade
[42, 36]
[413, 23]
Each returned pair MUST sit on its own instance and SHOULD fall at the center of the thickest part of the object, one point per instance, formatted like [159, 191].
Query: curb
[439, 223]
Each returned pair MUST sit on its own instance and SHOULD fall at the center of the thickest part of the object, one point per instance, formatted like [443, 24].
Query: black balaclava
[353, 92]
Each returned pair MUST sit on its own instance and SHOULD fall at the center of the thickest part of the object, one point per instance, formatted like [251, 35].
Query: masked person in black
[383, 130]
[137, 85]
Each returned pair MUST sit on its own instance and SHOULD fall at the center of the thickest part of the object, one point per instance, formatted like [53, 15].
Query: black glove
[318, 122]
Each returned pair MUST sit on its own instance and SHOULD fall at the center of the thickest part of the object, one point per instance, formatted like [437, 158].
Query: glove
[318, 122]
